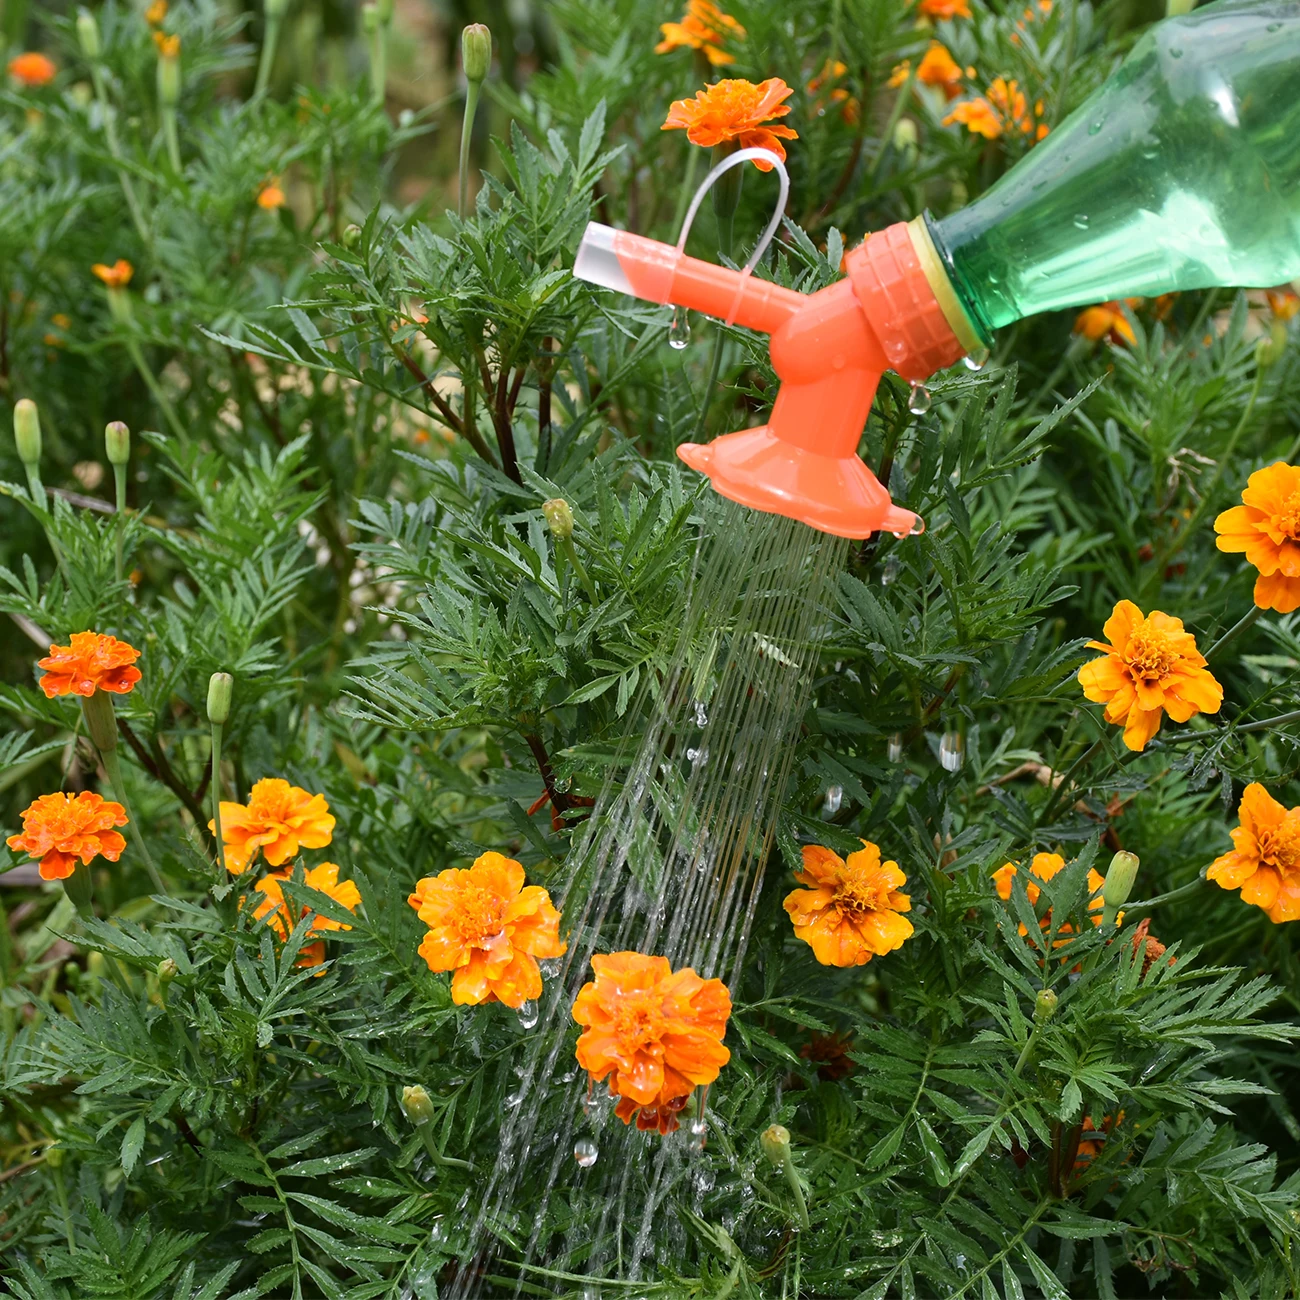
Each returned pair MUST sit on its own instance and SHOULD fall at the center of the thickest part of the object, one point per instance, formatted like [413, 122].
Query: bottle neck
[960, 309]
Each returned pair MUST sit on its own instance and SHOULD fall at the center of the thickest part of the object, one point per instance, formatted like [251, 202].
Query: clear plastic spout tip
[597, 262]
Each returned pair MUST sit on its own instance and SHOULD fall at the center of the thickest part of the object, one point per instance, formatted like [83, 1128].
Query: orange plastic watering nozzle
[896, 311]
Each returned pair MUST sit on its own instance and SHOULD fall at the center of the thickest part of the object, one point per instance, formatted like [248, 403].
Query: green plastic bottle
[1181, 172]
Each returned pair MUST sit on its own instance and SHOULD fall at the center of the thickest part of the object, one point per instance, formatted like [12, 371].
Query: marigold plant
[273, 908]
[703, 27]
[1266, 528]
[1264, 862]
[60, 830]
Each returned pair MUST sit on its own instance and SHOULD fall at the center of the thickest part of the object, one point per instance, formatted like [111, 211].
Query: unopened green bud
[117, 443]
[476, 51]
[220, 688]
[275, 10]
[559, 517]
[385, 8]
[1120, 876]
[167, 971]
[416, 1104]
[169, 77]
[27, 432]
[370, 18]
[96, 964]
[905, 135]
[775, 1141]
[88, 34]
[351, 235]
[1044, 1006]
[54, 1156]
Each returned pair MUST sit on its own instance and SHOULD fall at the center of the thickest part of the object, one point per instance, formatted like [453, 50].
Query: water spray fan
[894, 311]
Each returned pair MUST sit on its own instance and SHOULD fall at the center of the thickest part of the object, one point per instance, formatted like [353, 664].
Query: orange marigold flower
[945, 8]
[1265, 859]
[1106, 321]
[32, 69]
[279, 819]
[117, 276]
[832, 71]
[1045, 866]
[655, 1032]
[900, 74]
[1090, 1147]
[977, 116]
[59, 829]
[169, 47]
[274, 908]
[850, 913]
[1002, 108]
[735, 110]
[1151, 667]
[93, 662]
[1284, 303]
[270, 196]
[490, 928]
[1266, 527]
[939, 68]
[156, 12]
[703, 27]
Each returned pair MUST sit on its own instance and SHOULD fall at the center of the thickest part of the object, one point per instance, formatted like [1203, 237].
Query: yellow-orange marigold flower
[1106, 321]
[1151, 667]
[93, 662]
[490, 928]
[850, 913]
[274, 908]
[1265, 859]
[169, 47]
[945, 8]
[279, 819]
[117, 276]
[270, 196]
[735, 109]
[703, 27]
[59, 829]
[1284, 303]
[977, 116]
[939, 68]
[1002, 108]
[832, 71]
[156, 12]
[655, 1032]
[32, 69]
[1266, 527]
[1045, 866]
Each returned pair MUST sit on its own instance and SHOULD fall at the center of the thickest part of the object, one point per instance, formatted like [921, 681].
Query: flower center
[1149, 655]
[1288, 518]
[637, 1021]
[480, 914]
[1280, 848]
[860, 891]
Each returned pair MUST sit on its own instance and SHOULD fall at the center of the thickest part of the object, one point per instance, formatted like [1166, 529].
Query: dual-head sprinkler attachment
[896, 310]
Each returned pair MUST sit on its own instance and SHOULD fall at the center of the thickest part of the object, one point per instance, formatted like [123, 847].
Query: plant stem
[466, 130]
[164, 405]
[1246, 621]
[1059, 793]
[216, 797]
[1183, 891]
[172, 138]
[115, 149]
[119, 487]
[1262, 725]
[270, 39]
[113, 768]
[792, 1177]
[61, 1195]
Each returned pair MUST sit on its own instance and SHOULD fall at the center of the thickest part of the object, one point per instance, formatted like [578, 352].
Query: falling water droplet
[976, 359]
[892, 568]
[950, 751]
[699, 1131]
[512, 1100]
[896, 748]
[551, 968]
[701, 717]
[679, 332]
[585, 1152]
[834, 797]
[705, 1178]
[1081, 221]
[918, 400]
[528, 1013]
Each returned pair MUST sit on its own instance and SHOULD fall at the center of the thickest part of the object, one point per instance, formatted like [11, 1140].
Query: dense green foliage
[362, 401]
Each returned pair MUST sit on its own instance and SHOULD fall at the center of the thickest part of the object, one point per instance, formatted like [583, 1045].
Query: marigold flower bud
[96, 964]
[775, 1142]
[275, 9]
[416, 1104]
[905, 134]
[351, 235]
[1120, 876]
[220, 688]
[559, 517]
[167, 971]
[476, 51]
[88, 34]
[1044, 1006]
[370, 18]
[169, 73]
[117, 442]
[385, 9]
[27, 431]
[54, 1156]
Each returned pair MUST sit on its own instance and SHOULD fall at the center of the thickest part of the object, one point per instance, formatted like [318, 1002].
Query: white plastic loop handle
[734, 160]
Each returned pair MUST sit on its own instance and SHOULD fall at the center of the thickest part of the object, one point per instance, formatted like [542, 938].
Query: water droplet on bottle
[1175, 52]
[892, 568]
[918, 400]
[1081, 221]
[585, 1152]
[679, 335]
[1096, 126]
[834, 797]
[896, 748]
[528, 1013]
[976, 359]
[701, 717]
[950, 751]
[1273, 27]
